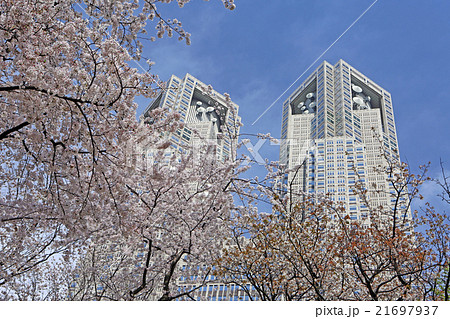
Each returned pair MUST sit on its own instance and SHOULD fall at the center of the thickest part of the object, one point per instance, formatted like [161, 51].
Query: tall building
[208, 115]
[211, 118]
[331, 130]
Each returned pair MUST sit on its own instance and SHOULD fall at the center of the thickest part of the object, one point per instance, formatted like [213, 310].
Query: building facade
[209, 116]
[337, 130]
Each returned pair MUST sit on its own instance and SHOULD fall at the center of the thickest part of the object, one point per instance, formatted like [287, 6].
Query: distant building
[204, 111]
[329, 132]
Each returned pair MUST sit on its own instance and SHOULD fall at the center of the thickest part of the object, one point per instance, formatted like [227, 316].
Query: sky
[258, 50]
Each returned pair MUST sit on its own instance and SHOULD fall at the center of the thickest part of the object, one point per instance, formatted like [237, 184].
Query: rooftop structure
[208, 115]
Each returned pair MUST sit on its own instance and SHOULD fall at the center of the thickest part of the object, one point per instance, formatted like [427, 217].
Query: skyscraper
[208, 115]
[210, 118]
[335, 127]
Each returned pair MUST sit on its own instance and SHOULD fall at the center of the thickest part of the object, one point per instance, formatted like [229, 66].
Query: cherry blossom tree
[435, 236]
[68, 114]
[308, 248]
[182, 204]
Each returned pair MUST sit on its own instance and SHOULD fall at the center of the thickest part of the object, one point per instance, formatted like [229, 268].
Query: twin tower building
[337, 131]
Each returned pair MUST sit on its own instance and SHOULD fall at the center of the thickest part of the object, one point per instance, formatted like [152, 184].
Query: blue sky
[256, 51]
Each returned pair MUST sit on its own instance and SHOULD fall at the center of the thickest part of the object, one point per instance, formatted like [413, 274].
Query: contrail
[309, 67]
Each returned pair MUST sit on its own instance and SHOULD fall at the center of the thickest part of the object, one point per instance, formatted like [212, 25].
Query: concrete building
[335, 127]
[209, 116]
